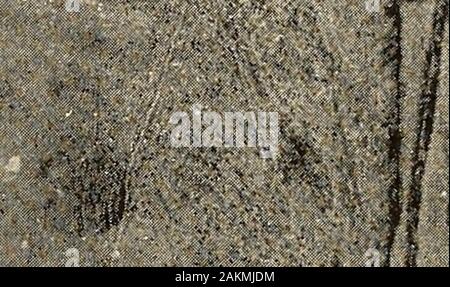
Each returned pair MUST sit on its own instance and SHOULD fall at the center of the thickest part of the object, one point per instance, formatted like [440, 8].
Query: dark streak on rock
[99, 184]
[426, 119]
[92, 168]
[301, 163]
[393, 53]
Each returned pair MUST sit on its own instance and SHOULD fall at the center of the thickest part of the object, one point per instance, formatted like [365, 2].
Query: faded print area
[356, 173]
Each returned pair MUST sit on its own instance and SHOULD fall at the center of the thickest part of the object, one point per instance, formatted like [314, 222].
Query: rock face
[88, 176]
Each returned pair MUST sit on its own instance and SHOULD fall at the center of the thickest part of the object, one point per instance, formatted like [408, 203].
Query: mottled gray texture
[85, 155]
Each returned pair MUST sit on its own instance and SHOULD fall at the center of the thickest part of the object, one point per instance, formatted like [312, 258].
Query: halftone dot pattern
[86, 164]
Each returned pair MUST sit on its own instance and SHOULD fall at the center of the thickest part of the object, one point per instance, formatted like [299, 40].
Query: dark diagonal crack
[427, 109]
[393, 53]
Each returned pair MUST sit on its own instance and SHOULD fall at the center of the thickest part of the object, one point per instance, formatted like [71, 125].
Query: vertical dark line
[426, 119]
[393, 54]
[121, 199]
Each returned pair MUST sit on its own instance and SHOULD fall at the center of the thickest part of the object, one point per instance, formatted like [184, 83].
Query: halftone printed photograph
[224, 133]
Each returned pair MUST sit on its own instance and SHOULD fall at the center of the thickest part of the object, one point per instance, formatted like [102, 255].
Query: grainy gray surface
[85, 155]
